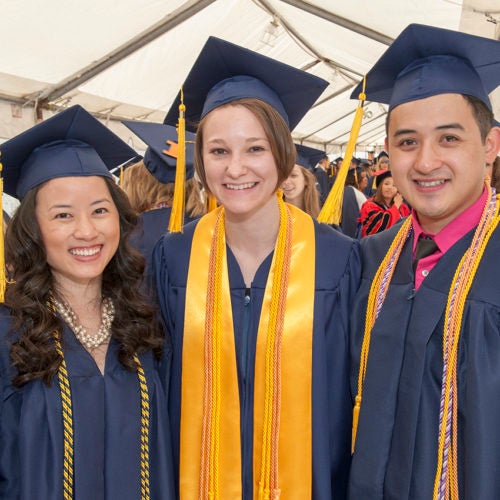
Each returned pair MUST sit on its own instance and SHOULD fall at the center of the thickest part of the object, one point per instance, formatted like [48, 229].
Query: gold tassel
[331, 213]
[121, 175]
[3, 278]
[177, 215]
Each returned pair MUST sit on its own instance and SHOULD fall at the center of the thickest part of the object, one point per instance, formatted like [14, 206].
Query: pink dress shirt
[447, 237]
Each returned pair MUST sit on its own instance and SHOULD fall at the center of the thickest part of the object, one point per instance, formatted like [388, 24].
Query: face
[363, 180]
[80, 228]
[383, 163]
[437, 157]
[239, 166]
[293, 187]
[387, 189]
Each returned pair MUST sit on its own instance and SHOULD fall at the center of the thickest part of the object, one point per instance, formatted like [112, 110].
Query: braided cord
[144, 472]
[67, 416]
[269, 476]
[210, 444]
[446, 479]
[376, 297]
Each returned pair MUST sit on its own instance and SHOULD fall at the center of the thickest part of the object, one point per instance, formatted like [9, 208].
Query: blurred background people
[300, 188]
[83, 410]
[352, 201]
[381, 164]
[150, 183]
[323, 181]
[385, 208]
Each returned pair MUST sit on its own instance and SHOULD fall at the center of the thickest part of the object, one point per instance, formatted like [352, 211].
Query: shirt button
[425, 273]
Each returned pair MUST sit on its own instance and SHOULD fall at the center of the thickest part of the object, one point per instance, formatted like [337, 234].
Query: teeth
[237, 187]
[85, 252]
[430, 183]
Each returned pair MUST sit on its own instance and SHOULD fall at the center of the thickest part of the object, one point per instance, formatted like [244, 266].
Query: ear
[386, 145]
[492, 144]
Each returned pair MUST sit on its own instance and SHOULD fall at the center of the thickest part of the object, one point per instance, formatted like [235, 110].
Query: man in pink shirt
[426, 325]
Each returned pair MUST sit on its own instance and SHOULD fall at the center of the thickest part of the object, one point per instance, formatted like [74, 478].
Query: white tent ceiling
[127, 59]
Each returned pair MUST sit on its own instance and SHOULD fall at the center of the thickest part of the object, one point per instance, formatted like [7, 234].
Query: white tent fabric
[58, 53]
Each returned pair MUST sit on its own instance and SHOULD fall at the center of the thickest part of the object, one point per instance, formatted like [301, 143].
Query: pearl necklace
[89, 341]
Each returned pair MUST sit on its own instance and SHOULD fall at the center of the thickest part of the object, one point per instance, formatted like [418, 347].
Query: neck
[299, 203]
[79, 295]
[253, 239]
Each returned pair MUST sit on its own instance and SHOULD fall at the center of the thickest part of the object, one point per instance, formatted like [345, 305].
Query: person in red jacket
[385, 208]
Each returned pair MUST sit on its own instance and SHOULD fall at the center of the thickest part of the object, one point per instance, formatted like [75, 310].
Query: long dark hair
[135, 326]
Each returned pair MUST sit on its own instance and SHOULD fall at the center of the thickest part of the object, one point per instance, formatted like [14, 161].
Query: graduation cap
[70, 144]
[161, 155]
[308, 157]
[224, 72]
[424, 61]
[380, 175]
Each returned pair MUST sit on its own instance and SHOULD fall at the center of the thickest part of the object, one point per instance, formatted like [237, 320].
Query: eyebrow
[96, 202]
[446, 126]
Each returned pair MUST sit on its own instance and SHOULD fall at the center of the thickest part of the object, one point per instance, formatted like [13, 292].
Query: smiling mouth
[85, 252]
[239, 187]
[430, 183]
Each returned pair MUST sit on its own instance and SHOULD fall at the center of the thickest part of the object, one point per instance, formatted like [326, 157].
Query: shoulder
[336, 253]
[172, 252]
[374, 247]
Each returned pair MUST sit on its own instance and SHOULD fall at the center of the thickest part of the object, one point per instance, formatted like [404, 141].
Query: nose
[85, 228]
[236, 166]
[427, 158]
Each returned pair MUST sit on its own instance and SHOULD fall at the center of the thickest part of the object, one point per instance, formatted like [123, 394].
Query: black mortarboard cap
[70, 144]
[224, 72]
[380, 175]
[160, 157]
[308, 157]
[424, 61]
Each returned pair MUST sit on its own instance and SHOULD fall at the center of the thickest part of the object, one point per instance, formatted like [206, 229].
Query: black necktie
[425, 246]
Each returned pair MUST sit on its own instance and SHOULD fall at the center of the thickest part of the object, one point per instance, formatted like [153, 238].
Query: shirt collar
[456, 229]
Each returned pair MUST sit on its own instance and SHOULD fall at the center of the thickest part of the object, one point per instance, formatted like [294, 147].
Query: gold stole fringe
[210, 456]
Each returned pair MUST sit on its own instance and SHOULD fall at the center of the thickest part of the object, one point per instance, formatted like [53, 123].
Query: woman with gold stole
[255, 297]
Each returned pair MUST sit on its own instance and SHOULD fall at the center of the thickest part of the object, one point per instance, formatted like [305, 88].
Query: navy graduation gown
[397, 442]
[152, 225]
[106, 423]
[337, 277]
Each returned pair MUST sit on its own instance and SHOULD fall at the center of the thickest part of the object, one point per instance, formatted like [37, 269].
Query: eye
[101, 210]
[256, 149]
[406, 143]
[62, 215]
[450, 138]
[217, 151]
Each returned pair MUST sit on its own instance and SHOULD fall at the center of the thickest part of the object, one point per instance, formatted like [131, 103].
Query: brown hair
[311, 194]
[145, 191]
[495, 174]
[276, 130]
[135, 326]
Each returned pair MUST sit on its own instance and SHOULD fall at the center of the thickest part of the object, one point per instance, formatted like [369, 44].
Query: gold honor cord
[331, 213]
[177, 216]
[145, 417]
[376, 297]
[210, 456]
[446, 479]
[67, 416]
